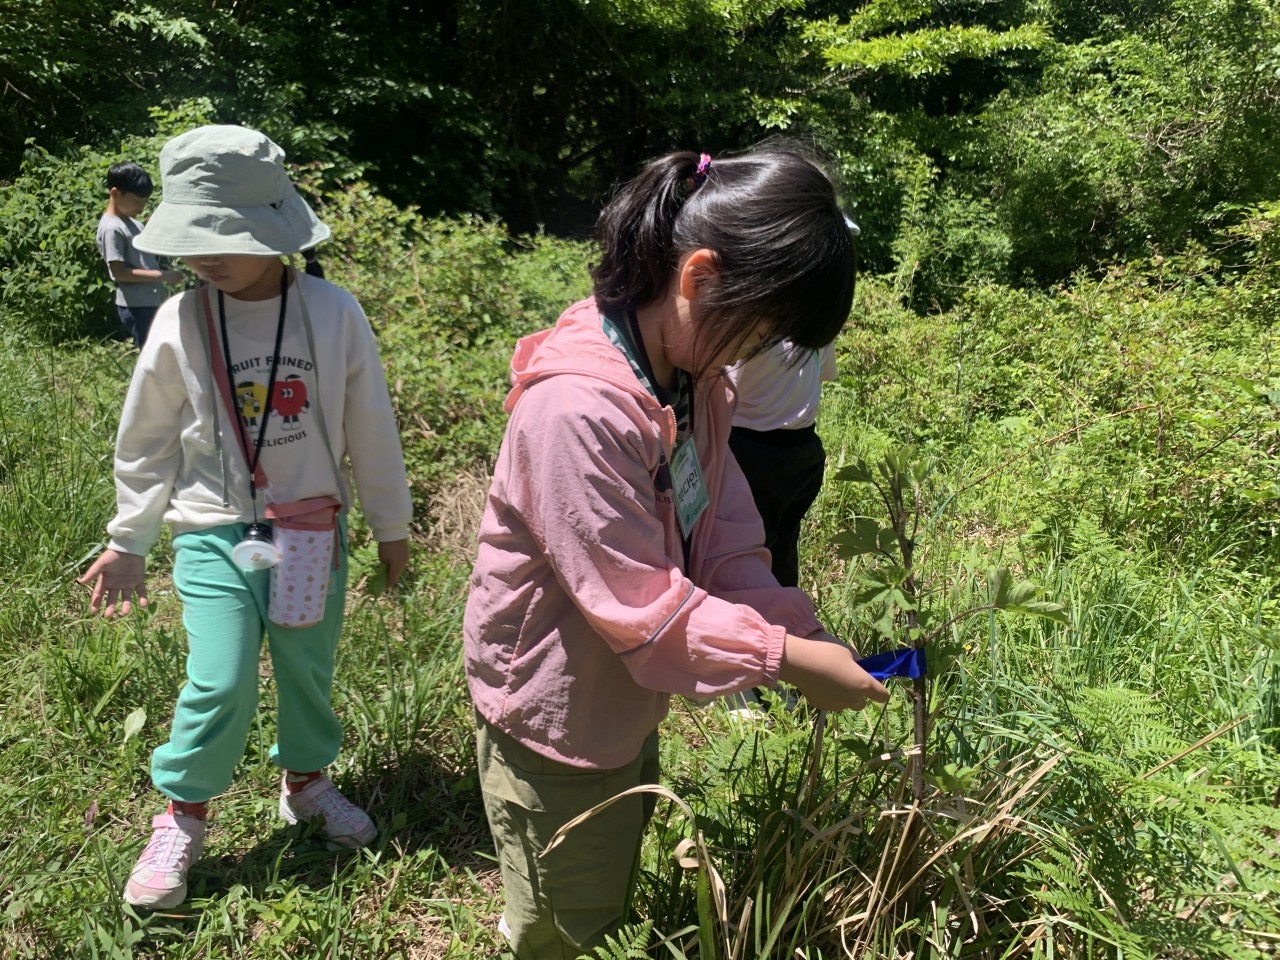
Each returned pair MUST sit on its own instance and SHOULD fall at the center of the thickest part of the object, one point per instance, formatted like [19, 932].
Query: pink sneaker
[159, 878]
[345, 824]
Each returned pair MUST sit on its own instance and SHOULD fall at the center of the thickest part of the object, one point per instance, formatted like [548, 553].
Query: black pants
[135, 322]
[784, 469]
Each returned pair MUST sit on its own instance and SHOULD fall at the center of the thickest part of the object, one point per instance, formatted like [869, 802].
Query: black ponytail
[634, 233]
[783, 246]
[312, 264]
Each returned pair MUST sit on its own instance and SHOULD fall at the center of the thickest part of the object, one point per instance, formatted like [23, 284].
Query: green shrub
[448, 298]
[56, 287]
[1147, 398]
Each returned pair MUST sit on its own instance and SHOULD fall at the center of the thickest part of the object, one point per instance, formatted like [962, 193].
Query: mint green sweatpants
[224, 610]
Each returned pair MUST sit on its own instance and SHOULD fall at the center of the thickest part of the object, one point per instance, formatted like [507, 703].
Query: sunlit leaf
[134, 723]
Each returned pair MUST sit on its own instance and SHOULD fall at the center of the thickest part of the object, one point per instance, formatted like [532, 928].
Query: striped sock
[198, 810]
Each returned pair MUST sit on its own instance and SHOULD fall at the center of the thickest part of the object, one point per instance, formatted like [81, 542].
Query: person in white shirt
[776, 443]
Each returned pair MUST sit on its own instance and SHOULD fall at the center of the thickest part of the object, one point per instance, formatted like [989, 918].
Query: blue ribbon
[908, 662]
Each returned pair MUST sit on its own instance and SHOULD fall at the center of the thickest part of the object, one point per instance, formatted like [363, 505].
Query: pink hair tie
[700, 174]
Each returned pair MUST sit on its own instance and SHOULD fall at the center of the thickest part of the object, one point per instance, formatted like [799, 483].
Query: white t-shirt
[778, 390]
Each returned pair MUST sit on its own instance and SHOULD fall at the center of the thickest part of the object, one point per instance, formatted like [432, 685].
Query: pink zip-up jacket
[581, 620]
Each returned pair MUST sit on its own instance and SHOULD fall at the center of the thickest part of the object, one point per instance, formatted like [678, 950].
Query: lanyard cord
[684, 387]
[271, 384]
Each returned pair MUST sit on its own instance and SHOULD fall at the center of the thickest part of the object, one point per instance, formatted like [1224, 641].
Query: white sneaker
[345, 824]
[159, 878]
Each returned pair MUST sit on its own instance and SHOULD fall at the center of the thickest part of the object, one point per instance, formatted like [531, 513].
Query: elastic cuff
[773, 654]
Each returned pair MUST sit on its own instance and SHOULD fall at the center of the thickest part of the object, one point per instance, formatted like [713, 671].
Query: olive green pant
[560, 906]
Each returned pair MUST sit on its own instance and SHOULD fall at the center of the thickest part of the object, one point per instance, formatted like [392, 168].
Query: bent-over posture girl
[620, 556]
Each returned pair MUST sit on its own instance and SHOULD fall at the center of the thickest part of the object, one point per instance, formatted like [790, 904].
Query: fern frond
[630, 943]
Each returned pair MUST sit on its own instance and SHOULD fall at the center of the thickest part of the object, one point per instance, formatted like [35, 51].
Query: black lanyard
[271, 382]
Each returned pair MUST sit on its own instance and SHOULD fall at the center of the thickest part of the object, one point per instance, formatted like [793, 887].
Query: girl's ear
[697, 270]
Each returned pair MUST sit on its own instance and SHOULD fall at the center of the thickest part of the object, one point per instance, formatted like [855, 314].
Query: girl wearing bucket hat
[257, 403]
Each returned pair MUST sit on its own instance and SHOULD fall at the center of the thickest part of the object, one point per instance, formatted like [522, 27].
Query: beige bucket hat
[226, 192]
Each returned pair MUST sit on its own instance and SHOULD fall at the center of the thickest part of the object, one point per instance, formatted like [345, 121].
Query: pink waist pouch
[305, 533]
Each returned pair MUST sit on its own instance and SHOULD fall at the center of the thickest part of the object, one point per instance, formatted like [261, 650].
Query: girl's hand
[828, 676]
[116, 577]
[394, 555]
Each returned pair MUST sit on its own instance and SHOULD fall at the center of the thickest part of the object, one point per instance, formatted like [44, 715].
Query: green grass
[1105, 788]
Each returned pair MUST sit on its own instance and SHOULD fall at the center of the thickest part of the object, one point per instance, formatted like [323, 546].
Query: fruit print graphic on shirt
[289, 405]
[289, 398]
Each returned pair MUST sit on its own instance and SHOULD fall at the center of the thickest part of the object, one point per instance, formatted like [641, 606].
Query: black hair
[783, 246]
[131, 178]
[312, 265]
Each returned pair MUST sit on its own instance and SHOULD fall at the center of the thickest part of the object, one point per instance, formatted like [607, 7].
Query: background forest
[1052, 461]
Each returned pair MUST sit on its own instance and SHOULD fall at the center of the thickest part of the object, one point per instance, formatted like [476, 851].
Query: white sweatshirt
[177, 456]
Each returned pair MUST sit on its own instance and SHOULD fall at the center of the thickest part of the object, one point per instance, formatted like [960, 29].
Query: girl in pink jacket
[620, 556]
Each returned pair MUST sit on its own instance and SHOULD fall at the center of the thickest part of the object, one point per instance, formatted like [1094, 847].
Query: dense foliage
[1099, 783]
[1062, 362]
[1020, 140]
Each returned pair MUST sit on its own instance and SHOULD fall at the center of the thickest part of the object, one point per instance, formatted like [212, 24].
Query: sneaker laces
[328, 802]
[167, 849]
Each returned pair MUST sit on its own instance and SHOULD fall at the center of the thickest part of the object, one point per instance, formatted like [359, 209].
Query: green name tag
[690, 489]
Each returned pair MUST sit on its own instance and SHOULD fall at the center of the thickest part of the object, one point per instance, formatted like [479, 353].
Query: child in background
[620, 556]
[776, 443]
[139, 279]
[310, 402]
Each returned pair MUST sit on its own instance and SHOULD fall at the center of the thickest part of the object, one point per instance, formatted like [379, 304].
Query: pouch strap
[313, 513]
[300, 512]
[319, 407]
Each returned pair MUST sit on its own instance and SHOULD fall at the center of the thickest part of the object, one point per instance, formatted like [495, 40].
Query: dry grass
[454, 515]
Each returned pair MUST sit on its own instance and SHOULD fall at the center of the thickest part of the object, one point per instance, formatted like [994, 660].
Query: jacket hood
[577, 344]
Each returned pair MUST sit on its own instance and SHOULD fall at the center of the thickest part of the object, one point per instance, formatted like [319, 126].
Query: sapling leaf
[876, 592]
[998, 581]
[865, 537]
[1007, 592]
[889, 574]
[884, 626]
[1020, 593]
[855, 473]
[1045, 609]
[900, 600]
[1022, 597]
